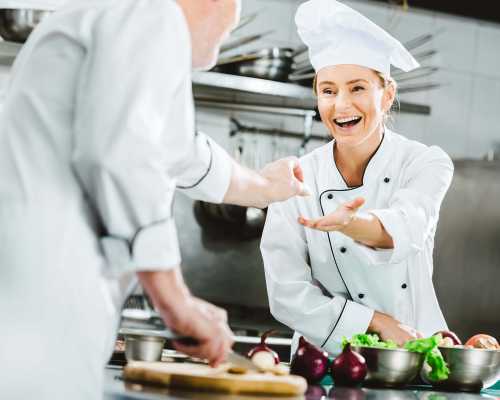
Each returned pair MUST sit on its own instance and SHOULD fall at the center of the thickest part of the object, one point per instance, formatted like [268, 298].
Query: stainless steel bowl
[390, 367]
[143, 348]
[17, 24]
[470, 369]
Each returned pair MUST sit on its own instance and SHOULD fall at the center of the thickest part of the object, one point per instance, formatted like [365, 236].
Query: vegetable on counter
[428, 347]
[369, 340]
[262, 355]
[483, 341]
[309, 362]
[449, 339]
[433, 357]
[349, 368]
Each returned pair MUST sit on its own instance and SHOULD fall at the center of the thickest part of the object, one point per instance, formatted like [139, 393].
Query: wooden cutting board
[203, 377]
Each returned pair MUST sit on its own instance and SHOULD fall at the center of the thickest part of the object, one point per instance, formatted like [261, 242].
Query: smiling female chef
[367, 263]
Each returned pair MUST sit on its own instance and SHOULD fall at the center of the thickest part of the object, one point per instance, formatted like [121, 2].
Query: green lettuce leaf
[369, 340]
[433, 357]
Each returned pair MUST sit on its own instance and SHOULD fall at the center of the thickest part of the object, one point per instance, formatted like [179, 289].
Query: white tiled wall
[465, 117]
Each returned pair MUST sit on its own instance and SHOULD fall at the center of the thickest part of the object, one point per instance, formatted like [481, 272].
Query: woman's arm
[410, 217]
[365, 228]
[298, 302]
[295, 298]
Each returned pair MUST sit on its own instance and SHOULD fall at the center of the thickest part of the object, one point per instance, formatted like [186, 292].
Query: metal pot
[390, 367]
[470, 369]
[227, 219]
[17, 24]
[143, 348]
[274, 63]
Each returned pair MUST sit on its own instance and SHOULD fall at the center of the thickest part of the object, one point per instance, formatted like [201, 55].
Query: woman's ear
[388, 97]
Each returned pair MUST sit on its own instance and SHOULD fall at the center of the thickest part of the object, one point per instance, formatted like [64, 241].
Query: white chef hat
[337, 34]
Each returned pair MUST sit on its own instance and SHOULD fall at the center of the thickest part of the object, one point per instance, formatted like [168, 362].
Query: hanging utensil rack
[307, 115]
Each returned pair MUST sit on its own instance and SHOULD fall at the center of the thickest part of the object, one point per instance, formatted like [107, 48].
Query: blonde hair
[385, 82]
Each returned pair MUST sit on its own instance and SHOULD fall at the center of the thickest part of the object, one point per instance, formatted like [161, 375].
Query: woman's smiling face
[352, 102]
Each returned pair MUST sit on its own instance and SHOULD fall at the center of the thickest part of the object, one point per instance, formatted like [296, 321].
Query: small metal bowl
[390, 367]
[143, 348]
[17, 24]
[470, 369]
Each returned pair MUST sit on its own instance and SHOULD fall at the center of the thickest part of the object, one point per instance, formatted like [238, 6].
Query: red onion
[262, 355]
[448, 334]
[309, 362]
[349, 368]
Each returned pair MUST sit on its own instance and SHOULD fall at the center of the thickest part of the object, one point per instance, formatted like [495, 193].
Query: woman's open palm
[337, 220]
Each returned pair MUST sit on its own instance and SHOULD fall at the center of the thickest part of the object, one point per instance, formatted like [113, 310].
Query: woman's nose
[343, 99]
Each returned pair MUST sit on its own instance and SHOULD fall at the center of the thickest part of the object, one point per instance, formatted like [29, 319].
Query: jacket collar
[333, 180]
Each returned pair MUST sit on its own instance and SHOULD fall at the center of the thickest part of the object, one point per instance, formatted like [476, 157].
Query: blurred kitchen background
[453, 101]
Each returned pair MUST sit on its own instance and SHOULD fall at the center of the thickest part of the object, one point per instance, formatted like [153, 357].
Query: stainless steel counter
[116, 389]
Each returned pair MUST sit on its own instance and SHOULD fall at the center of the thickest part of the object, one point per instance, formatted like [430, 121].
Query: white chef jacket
[326, 285]
[96, 133]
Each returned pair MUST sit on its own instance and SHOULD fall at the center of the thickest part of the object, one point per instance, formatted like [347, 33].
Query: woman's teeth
[347, 122]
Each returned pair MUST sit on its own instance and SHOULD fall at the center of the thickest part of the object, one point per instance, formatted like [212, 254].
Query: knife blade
[241, 361]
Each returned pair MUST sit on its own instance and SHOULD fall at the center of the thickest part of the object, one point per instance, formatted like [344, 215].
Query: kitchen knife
[234, 358]
[241, 361]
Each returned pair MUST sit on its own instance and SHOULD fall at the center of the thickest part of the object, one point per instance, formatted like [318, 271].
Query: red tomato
[483, 341]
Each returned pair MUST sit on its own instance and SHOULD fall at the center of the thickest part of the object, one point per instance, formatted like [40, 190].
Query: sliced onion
[262, 355]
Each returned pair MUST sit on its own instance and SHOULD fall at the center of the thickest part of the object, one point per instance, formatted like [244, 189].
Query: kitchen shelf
[261, 91]
[251, 85]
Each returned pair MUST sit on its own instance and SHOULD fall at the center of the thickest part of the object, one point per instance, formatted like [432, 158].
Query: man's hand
[277, 181]
[189, 316]
[389, 328]
[208, 325]
[337, 220]
[284, 179]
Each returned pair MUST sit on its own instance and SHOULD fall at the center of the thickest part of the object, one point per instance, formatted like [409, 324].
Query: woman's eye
[357, 88]
[328, 91]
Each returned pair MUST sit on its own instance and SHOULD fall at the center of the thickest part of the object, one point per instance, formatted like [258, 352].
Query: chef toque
[336, 34]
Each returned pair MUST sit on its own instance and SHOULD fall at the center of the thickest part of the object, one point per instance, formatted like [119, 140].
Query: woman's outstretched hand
[337, 220]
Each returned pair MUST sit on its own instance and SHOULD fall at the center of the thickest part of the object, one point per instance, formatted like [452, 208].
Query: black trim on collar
[205, 174]
[367, 164]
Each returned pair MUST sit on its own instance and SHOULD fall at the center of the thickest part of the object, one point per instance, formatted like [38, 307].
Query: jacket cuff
[396, 228]
[153, 248]
[355, 318]
[213, 185]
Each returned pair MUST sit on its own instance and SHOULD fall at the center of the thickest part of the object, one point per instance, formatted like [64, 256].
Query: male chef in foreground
[96, 135]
